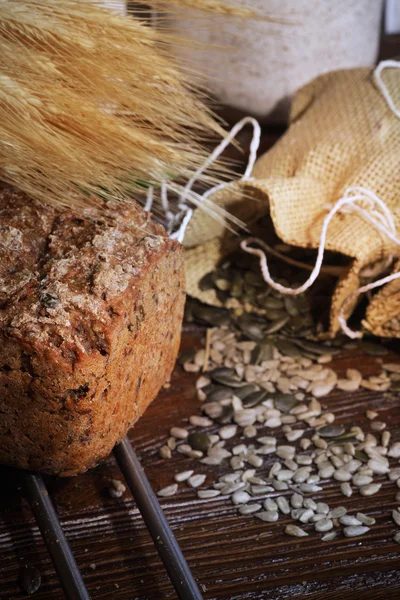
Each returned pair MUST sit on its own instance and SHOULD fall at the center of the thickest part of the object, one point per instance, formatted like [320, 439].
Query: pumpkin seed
[254, 398]
[220, 393]
[373, 349]
[331, 431]
[287, 347]
[290, 306]
[276, 325]
[246, 390]
[285, 402]
[30, 579]
[199, 441]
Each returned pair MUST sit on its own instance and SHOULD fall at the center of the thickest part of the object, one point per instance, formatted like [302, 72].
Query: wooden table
[232, 556]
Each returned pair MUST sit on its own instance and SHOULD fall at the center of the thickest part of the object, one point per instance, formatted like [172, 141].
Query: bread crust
[90, 318]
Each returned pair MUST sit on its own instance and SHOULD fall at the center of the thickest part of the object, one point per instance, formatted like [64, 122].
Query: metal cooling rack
[57, 545]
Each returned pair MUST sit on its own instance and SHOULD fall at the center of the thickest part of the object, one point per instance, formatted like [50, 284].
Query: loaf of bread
[90, 318]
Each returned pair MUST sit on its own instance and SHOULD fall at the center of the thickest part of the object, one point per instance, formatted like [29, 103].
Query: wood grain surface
[232, 556]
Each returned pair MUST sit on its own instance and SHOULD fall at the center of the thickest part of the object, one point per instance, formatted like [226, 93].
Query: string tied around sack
[357, 200]
[177, 223]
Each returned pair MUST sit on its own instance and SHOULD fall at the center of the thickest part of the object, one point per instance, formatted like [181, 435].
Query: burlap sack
[342, 133]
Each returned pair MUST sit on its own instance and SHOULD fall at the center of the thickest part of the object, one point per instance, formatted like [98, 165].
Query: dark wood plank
[232, 556]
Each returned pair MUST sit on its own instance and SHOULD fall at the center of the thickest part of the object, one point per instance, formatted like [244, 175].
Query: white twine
[376, 213]
[386, 64]
[186, 212]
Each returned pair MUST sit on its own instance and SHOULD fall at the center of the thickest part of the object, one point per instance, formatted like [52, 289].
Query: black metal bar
[56, 542]
[157, 524]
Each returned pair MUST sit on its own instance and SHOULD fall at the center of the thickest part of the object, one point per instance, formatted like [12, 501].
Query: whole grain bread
[90, 318]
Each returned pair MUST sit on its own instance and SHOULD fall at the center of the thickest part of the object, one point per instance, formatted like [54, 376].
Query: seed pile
[249, 390]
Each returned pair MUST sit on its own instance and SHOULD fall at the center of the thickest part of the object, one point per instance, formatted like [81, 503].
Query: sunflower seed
[240, 497]
[179, 433]
[355, 531]
[196, 480]
[261, 489]
[200, 421]
[296, 500]
[295, 531]
[165, 452]
[359, 479]
[370, 489]
[283, 505]
[310, 487]
[206, 494]
[346, 490]
[342, 475]
[249, 431]
[380, 467]
[349, 520]
[394, 451]
[183, 476]
[306, 515]
[270, 504]
[328, 537]
[170, 490]
[338, 512]
[227, 432]
[323, 525]
[248, 509]
[364, 519]
[269, 516]
[396, 517]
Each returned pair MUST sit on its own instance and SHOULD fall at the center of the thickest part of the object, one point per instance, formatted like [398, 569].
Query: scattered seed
[365, 520]
[270, 504]
[240, 497]
[170, 490]
[306, 515]
[295, 531]
[165, 452]
[227, 432]
[250, 431]
[331, 431]
[355, 531]
[248, 509]
[349, 520]
[394, 451]
[346, 490]
[30, 579]
[283, 505]
[338, 512]
[269, 516]
[310, 487]
[370, 489]
[182, 476]
[323, 525]
[378, 426]
[206, 494]
[199, 441]
[179, 433]
[200, 421]
[328, 537]
[196, 480]
[396, 517]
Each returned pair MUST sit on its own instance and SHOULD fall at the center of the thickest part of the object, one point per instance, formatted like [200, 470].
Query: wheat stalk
[92, 101]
